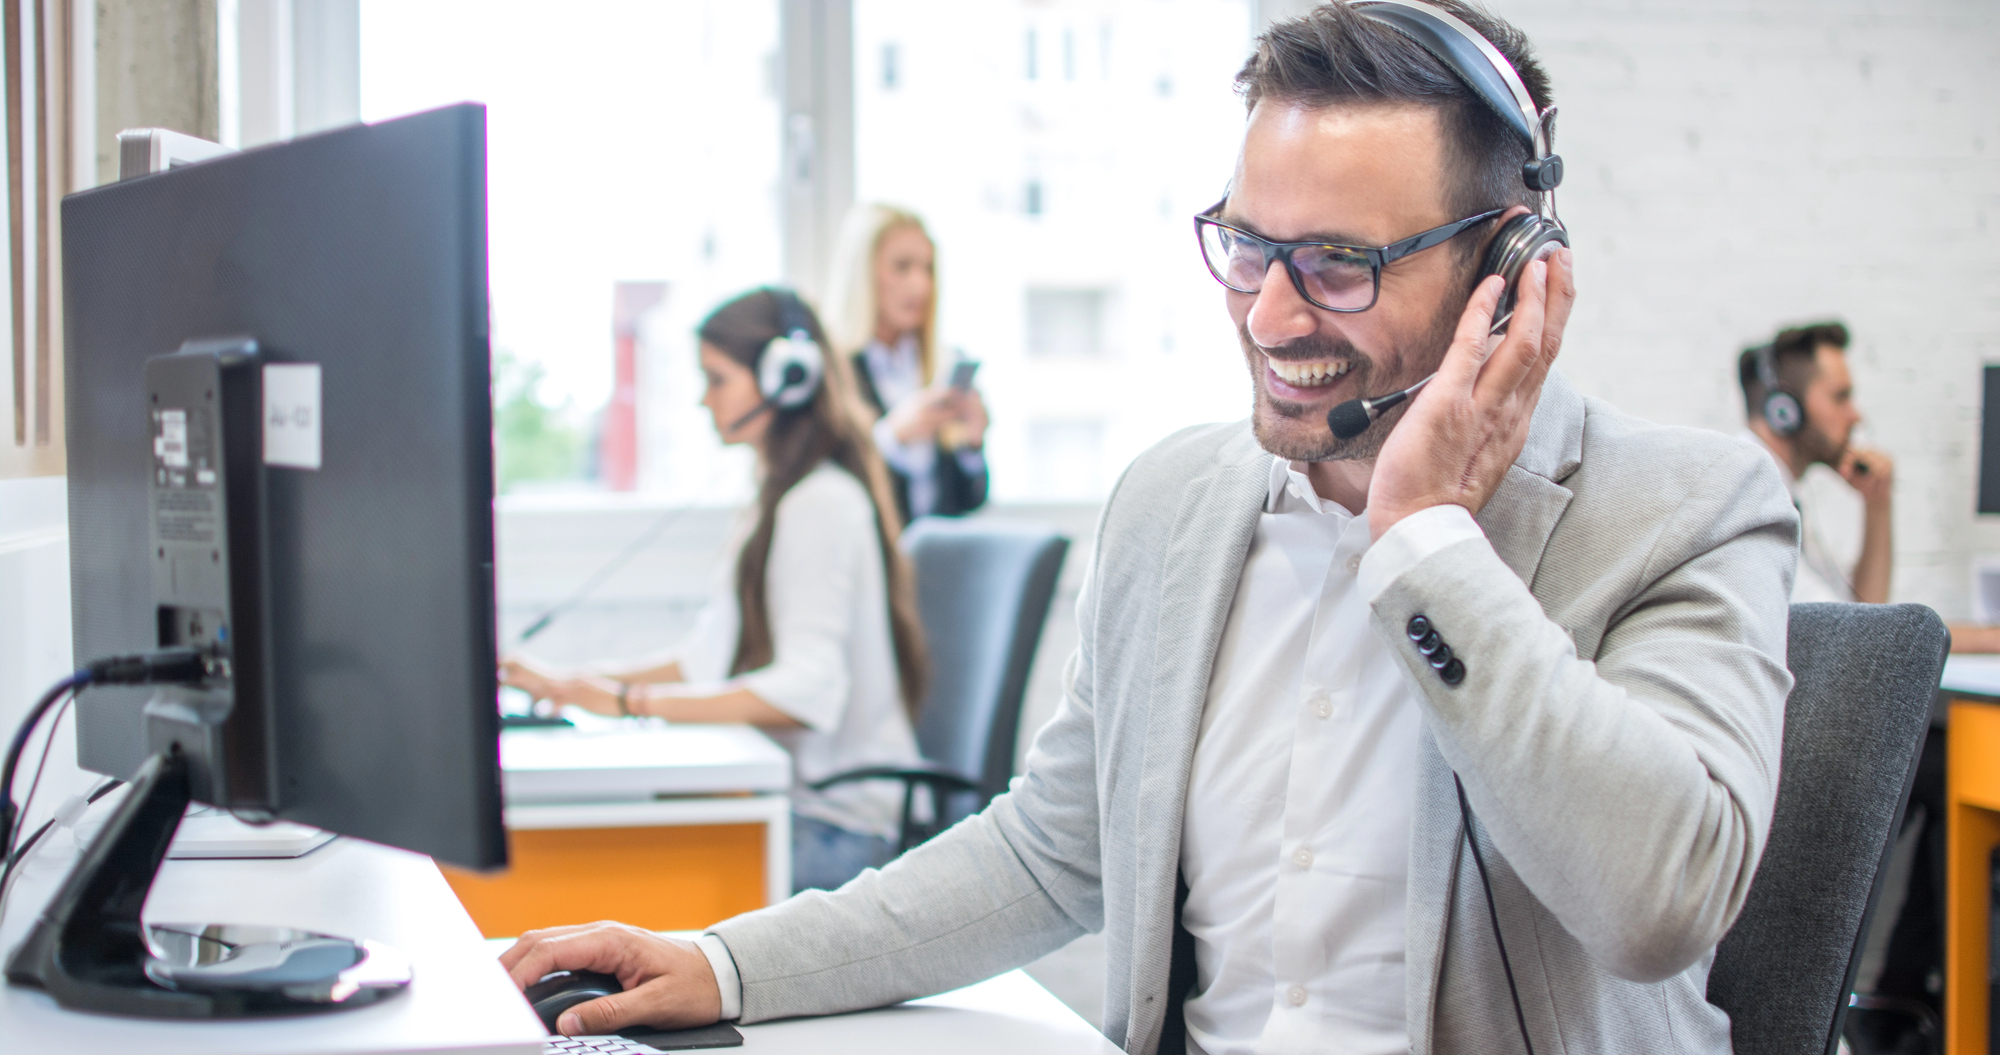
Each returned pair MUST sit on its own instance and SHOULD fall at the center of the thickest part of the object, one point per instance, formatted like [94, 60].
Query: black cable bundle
[167, 666]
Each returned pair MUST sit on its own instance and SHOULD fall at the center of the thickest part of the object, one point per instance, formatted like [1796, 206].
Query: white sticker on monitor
[291, 415]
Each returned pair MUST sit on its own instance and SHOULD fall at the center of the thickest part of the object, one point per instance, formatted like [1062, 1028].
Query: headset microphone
[1352, 418]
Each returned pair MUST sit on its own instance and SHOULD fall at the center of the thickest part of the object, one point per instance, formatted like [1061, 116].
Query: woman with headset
[811, 632]
[930, 429]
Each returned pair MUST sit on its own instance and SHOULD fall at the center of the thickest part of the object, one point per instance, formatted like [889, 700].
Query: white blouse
[834, 663]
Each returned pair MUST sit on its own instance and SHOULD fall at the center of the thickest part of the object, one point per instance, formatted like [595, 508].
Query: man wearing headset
[1799, 397]
[1305, 661]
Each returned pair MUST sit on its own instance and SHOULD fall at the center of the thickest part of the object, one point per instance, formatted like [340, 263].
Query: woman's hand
[535, 680]
[597, 695]
[918, 418]
[969, 416]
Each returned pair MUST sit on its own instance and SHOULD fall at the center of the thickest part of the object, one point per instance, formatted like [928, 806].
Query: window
[1057, 149]
[1066, 458]
[627, 142]
[1066, 323]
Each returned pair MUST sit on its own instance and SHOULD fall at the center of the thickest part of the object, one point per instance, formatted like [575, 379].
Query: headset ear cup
[1516, 245]
[1783, 413]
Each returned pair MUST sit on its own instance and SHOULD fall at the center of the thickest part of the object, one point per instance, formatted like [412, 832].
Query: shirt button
[1324, 708]
[1297, 995]
[1354, 563]
[1304, 857]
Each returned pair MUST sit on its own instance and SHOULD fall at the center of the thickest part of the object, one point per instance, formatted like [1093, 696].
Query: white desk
[460, 1001]
[623, 760]
[1008, 1015]
[1973, 675]
[608, 773]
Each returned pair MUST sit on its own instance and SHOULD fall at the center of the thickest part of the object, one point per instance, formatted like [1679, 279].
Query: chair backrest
[1854, 725]
[983, 591]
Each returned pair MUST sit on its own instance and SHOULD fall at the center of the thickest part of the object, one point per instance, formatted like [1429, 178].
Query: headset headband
[1487, 72]
[1765, 356]
[793, 320]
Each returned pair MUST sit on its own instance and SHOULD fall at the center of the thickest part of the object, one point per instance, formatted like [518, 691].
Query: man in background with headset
[1799, 397]
[1310, 657]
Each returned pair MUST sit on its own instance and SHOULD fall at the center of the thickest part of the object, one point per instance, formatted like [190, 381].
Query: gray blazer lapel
[1521, 515]
[1210, 540]
[1518, 521]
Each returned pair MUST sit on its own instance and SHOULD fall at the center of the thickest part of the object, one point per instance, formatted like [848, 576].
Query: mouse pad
[720, 1035]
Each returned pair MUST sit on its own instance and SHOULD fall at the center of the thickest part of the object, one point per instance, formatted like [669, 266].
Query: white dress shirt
[833, 666]
[898, 375]
[1825, 553]
[1296, 842]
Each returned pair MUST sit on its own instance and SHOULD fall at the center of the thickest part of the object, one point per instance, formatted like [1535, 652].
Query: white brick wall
[1737, 165]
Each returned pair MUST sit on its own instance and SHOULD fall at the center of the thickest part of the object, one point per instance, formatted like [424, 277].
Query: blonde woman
[883, 310]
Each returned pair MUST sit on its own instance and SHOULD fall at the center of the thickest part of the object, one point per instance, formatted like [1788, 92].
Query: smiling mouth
[1309, 375]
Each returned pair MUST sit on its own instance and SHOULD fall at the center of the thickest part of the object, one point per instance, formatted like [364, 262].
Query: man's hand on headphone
[1462, 432]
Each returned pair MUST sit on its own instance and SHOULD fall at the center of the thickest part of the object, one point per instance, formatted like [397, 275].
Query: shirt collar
[1289, 483]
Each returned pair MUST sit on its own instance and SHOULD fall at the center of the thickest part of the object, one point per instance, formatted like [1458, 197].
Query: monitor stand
[92, 952]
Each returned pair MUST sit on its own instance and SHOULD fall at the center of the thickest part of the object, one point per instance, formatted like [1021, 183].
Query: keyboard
[595, 1046]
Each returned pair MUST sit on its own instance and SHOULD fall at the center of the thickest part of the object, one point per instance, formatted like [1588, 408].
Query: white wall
[34, 623]
[1734, 166]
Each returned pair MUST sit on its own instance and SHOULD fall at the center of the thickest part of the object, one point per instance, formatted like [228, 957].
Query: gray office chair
[1854, 726]
[983, 593]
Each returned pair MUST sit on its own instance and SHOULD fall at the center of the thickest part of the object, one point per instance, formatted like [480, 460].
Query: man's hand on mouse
[1461, 433]
[668, 982]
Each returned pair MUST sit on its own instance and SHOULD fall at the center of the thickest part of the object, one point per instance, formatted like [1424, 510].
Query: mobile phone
[961, 374]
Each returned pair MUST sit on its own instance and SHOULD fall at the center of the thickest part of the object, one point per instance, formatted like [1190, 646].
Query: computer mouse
[563, 990]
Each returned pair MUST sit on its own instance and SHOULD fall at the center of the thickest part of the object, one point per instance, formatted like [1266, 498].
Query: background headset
[793, 364]
[1520, 240]
[1781, 409]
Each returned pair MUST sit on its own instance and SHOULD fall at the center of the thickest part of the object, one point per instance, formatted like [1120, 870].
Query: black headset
[793, 363]
[1491, 77]
[1782, 410]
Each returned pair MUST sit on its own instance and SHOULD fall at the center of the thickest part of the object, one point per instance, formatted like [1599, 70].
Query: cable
[181, 665]
[28, 803]
[1493, 913]
[632, 549]
[10, 816]
[28, 846]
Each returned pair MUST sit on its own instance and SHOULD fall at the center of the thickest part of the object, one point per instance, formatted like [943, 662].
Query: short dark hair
[1338, 55]
[1794, 358]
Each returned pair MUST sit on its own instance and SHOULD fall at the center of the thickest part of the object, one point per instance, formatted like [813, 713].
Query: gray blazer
[1617, 730]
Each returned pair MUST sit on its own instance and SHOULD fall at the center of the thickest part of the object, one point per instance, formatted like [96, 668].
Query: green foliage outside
[533, 439]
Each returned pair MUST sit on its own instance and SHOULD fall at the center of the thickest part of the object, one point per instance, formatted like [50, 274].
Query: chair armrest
[939, 778]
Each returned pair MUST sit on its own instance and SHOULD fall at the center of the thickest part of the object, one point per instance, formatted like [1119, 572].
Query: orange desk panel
[682, 877]
[1972, 805]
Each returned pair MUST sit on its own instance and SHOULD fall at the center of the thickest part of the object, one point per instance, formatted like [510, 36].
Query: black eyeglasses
[1334, 277]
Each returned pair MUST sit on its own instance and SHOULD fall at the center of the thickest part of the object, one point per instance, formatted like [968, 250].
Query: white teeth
[1309, 375]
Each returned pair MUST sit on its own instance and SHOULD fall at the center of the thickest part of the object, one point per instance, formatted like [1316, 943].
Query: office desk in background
[669, 827]
[459, 1001]
[1971, 686]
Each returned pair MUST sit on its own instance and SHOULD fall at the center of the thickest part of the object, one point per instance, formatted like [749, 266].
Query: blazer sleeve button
[1430, 643]
[1442, 658]
[1419, 626]
[1453, 672]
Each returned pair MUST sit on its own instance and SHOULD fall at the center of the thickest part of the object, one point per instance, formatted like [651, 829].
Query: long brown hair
[798, 440]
